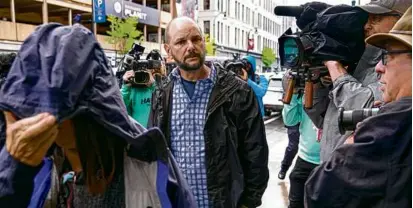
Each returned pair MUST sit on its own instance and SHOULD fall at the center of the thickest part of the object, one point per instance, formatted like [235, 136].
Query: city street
[276, 195]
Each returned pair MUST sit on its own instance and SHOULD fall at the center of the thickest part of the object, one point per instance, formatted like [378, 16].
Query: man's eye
[181, 42]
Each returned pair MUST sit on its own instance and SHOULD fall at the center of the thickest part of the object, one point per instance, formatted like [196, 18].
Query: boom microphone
[289, 11]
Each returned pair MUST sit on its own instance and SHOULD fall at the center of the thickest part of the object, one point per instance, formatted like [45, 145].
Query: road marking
[271, 120]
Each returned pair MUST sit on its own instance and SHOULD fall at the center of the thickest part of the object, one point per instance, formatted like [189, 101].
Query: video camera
[6, 61]
[142, 68]
[328, 33]
[236, 65]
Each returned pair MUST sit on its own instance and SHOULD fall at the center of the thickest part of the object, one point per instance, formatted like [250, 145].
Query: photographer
[259, 84]
[374, 167]
[354, 89]
[137, 97]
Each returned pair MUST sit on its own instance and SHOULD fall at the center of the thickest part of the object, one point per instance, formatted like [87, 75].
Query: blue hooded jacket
[259, 88]
[63, 70]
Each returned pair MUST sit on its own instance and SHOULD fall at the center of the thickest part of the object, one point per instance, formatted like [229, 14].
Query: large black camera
[142, 68]
[6, 61]
[236, 65]
[327, 33]
[348, 120]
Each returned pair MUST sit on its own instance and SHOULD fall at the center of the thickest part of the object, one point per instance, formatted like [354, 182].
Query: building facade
[241, 27]
[19, 18]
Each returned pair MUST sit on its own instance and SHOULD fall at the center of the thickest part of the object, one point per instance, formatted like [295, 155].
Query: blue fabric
[161, 182]
[252, 61]
[189, 87]
[187, 133]
[16, 181]
[42, 184]
[64, 71]
[259, 87]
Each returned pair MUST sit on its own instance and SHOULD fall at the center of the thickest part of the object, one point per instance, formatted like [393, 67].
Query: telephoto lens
[348, 120]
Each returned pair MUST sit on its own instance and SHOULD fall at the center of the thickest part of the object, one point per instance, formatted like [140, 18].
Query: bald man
[212, 123]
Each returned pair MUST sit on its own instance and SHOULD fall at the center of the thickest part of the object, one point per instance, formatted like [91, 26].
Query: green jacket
[138, 102]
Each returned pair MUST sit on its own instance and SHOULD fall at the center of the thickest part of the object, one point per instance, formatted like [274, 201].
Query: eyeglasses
[385, 53]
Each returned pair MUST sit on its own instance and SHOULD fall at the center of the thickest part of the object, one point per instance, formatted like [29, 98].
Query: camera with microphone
[327, 33]
[143, 69]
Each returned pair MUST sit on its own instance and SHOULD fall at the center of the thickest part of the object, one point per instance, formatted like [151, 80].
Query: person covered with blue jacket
[259, 84]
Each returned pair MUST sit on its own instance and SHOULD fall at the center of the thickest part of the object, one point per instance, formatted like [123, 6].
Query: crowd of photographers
[184, 132]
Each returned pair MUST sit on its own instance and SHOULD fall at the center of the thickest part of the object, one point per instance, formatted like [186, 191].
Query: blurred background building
[19, 18]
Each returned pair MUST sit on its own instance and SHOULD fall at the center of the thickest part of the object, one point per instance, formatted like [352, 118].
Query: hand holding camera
[128, 76]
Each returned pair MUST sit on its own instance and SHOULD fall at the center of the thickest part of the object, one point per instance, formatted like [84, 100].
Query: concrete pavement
[276, 195]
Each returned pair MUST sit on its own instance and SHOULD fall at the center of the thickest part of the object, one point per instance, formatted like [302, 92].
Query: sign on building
[123, 9]
[99, 13]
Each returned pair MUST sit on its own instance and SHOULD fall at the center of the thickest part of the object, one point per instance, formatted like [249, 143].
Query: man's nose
[380, 68]
[190, 45]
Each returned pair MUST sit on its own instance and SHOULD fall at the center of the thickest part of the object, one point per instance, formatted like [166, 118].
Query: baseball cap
[386, 6]
[402, 32]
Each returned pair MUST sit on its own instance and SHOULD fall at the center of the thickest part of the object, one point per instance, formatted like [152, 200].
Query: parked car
[272, 100]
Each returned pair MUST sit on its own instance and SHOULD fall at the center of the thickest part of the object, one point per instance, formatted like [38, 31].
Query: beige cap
[401, 32]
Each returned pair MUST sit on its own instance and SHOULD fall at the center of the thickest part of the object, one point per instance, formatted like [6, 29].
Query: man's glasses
[385, 53]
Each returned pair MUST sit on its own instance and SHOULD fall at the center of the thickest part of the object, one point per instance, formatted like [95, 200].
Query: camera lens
[348, 120]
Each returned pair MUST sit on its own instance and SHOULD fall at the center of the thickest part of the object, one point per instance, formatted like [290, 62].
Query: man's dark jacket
[235, 140]
[375, 171]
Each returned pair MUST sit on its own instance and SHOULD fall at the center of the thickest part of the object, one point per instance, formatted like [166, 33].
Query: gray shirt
[351, 92]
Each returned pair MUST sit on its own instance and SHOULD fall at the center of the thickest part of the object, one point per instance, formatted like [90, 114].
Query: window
[207, 27]
[152, 34]
[222, 32]
[236, 10]
[243, 14]
[228, 40]
[166, 6]
[222, 5]
[218, 33]
[242, 40]
[236, 36]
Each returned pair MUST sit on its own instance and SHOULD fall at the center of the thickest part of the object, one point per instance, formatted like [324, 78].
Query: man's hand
[29, 139]
[128, 75]
[244, 75]
[350, 140]
[336, 69]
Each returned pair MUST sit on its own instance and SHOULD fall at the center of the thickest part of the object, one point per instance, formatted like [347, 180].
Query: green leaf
[268, 56]
[123, 33]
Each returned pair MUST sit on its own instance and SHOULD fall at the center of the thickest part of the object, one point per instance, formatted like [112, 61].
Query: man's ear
[167, 49]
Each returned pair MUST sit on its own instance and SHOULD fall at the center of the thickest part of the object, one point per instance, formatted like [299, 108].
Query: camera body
[142, 68]
[236, 65]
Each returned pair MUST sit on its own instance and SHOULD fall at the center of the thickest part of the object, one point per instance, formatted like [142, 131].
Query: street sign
[99, 14]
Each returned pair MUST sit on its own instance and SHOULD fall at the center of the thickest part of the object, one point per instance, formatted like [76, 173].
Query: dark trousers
[292, 148]
[298, 177]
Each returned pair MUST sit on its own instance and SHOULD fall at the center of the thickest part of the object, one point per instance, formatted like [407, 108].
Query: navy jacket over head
[64, 71]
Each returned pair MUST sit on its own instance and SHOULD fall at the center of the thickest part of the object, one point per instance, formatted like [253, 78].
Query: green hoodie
[138, 102]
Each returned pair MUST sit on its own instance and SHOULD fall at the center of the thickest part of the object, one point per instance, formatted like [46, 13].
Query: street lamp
[255, 30]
